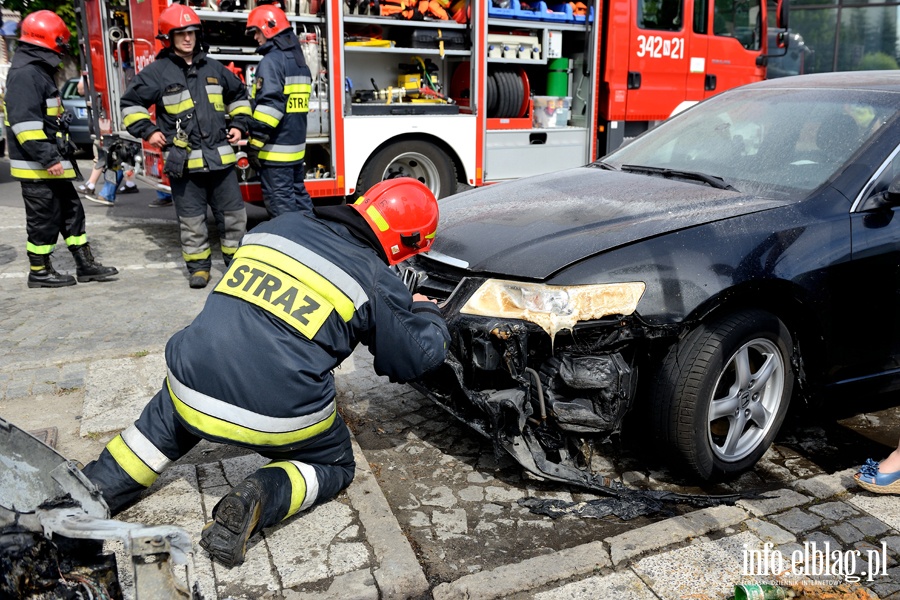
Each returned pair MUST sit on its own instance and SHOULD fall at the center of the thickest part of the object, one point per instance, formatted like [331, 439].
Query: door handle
[634, 80]
[710, 83]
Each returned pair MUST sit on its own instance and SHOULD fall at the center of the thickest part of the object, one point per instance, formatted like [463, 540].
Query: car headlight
[552, 307]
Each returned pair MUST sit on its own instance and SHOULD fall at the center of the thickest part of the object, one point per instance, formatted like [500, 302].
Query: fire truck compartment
[520, 153]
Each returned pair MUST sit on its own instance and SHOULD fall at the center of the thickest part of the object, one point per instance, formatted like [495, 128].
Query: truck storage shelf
[390, 21]
[525, 24]
[242, 16]
[519, 61]
[233, 57]
[425, 51]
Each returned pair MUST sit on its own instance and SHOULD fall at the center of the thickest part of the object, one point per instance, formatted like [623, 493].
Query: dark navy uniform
[33, 116]
[204, 99]
[300, 294]
[278, 129]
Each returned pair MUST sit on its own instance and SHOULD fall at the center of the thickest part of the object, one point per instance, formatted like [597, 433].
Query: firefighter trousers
[295, 480]
[192, 194]
[284, 190]
[52, 208]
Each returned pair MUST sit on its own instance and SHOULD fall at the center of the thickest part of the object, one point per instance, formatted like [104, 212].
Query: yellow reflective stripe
[298, 484]
[55, 111]
[297, 88]
[264, 118]
[377, 218]
[256, 143]
[300, 272]
[228, 250]
[195, 163]
[226, 430]
[198, 256]
[180, 107]
[431, 235]
[217, 102]
[240, 110]
[76, 240]
[226, 154]
[134, 118]
[281, 156]
[31, 135]
[228, 159]
[277, 293]
[39, 174]
[46, 249]
[130, 462]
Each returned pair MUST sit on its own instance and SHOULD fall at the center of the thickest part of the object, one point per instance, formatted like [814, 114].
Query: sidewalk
[91, 356]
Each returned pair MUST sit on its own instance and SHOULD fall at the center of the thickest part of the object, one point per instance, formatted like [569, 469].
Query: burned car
[696, 278]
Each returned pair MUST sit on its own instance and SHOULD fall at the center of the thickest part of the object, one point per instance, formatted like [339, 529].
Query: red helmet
[269, 19]
[403, 213]
[44, 28]
[177, 17]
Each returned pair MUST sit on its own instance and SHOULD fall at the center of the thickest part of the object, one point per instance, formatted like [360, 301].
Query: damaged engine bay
[53, 524]
[545, 393]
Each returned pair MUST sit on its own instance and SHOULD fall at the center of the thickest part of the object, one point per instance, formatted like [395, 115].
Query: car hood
[531, 228]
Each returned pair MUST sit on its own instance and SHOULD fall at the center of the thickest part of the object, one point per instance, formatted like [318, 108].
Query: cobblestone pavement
[433, 513]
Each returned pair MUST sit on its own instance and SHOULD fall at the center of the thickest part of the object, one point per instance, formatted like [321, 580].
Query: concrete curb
[528, 574]
[399, 574]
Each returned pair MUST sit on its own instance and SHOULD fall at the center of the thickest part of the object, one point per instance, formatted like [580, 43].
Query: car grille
[435, 280]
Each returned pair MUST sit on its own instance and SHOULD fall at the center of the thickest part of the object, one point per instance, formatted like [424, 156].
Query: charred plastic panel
[542, 402]
[52, 526]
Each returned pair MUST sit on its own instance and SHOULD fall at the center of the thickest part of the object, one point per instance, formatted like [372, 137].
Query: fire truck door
[734, 44]
[658, 59]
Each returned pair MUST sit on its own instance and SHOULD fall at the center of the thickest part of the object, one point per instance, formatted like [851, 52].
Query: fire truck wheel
[417, 159]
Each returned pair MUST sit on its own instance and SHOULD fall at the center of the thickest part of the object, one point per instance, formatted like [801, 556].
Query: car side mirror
[889, 197]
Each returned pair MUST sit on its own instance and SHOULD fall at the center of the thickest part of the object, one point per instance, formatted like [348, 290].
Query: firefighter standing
[40, 154]
[280, 91]
[301, 293]
[194, 96]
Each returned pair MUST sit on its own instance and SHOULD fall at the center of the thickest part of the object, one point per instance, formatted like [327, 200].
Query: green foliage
[64, 8]
[877, 61]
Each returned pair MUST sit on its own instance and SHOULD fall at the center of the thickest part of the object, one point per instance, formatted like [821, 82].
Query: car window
[70, 90]
[765, 142]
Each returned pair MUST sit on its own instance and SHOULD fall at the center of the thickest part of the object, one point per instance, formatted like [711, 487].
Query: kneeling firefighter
[301, 293]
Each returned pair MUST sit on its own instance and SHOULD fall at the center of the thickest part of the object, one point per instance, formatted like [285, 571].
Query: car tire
[415, 158]
[716, 417]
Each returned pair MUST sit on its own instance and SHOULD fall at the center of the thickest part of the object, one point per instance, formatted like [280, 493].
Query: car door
[872, 337]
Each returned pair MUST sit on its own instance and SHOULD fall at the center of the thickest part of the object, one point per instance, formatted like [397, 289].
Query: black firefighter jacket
[255, 367]
[33, 112]
[281, 102]
[197, 97]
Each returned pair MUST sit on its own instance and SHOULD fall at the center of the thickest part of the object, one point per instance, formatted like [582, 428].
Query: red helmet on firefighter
[403, 213]
[269, 19]
[44, 28]
[177, 17]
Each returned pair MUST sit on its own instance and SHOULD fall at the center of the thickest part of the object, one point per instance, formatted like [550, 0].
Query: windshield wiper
[603, 165]
[711, 180]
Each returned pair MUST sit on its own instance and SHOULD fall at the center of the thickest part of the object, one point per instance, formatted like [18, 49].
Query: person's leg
[42, 227]
[278, 189]
[293, 482]
[73, 229]
[133, 460]
[301, 195]
[189, 194]
[881, 478]
[228, 207]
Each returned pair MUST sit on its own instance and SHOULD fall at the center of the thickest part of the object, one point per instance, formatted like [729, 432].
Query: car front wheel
[723, 392]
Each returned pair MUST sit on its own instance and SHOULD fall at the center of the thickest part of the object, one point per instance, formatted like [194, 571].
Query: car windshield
[70, 90]
[765, 142]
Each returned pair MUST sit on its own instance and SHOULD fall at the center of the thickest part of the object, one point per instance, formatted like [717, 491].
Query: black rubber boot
[235, 519]
[199, 279]
[44, 275]
[87, 269]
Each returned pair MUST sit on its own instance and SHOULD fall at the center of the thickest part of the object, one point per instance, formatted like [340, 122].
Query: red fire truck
[503, 90]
